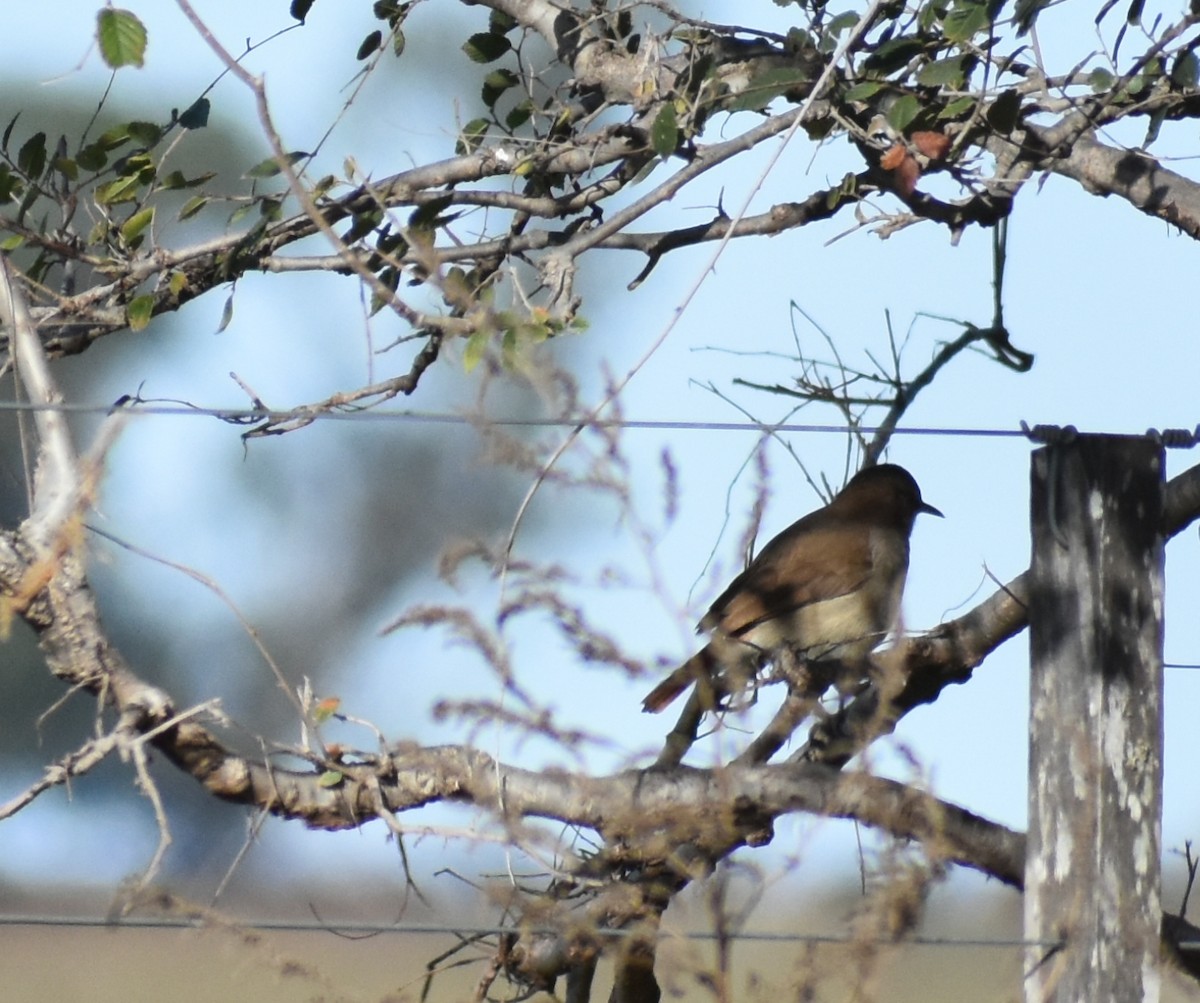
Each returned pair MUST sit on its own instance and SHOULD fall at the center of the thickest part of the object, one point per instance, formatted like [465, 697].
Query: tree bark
[1093, 864]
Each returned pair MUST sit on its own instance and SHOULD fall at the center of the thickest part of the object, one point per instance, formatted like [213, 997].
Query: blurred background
[323, 536]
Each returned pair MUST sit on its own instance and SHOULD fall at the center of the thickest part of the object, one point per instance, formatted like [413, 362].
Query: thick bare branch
[55, 479]
[650, 813]
[1139, 179]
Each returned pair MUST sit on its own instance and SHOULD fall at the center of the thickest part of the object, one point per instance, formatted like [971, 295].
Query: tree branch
[1137, 178]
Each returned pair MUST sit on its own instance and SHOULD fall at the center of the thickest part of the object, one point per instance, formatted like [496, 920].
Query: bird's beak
[926, 507]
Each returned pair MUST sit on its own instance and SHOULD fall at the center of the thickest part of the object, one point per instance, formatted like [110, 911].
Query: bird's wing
[799, 567]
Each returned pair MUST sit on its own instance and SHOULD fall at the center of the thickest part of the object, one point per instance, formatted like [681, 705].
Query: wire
[246, 415]
[311, 413]
[448, 929]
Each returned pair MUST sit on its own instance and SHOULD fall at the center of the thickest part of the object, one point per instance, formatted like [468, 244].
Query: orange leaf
[894, 157]
[935, 145]
[906, 175]
[326, 708]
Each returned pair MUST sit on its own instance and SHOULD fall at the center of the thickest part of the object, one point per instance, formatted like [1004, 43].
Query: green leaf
[136, 223]
[270, 167]
[485, 47]
[957, 108]
[389, 10]
[798, 40]
[500, 23]
[398, 42]
[456, 288]
[965, 22]
[427, 215]
[362, 223]
[300, 8]
[817, 129]
[30, 196]
[8, 132]
[11, 243]
[92, 158]
[369, 45]
[928, 15]
[765, 87]
[66, 167]
[496, 83]
[196, 116]
[519, 115]
[240, 213]
[389, 278]
[391, 243]
[139, 166]
[846, 190]
[509, 344]
[901, 114]
[177, 283]
[893, 54]
[664, 133]
[944, 72]
[193, 206]
[10, 184]
[226, 313]
[1005, 112]
[176, 180]
[145, 133]
[506, 320]
[1025, 13]
[330, 778]
[1157, 117]
[139, 312]
[31, 161]
[842, 22]
[122, 37]
[471, 138]
[1100, 79]
[118, 135]
[1185, 71]
[476, 347]
[864, 90]
[322, 187]
[123, 189]
[140, 163]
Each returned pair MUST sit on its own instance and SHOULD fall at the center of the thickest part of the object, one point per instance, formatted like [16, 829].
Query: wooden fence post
[1092, 871]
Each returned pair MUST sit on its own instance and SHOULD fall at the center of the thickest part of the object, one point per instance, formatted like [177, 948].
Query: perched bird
[828, 587]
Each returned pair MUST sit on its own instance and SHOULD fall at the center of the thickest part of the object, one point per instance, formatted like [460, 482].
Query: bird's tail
[700, 668]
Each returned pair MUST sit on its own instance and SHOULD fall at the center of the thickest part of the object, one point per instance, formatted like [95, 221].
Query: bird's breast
[847, 625]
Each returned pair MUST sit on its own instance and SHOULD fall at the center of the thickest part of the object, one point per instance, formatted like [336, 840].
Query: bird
[828, 588]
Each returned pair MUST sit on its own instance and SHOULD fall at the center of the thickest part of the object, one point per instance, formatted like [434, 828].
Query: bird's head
[886, 492]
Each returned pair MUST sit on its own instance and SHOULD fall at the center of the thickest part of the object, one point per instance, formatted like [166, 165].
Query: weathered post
[1092, 871]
